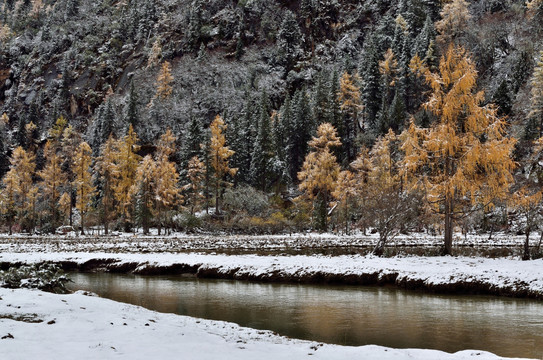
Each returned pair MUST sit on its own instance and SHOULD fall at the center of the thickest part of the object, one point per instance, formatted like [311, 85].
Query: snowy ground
[295, 243]
[37, 325]
[507, 276]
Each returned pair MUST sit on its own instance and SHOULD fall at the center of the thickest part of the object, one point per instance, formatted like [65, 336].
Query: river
[346, 315]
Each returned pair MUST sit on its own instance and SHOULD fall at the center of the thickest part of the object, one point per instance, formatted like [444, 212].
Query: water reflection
[339, 314]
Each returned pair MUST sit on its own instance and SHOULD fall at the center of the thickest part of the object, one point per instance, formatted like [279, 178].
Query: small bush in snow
[187, 222]
[46, 277]
[246, 199]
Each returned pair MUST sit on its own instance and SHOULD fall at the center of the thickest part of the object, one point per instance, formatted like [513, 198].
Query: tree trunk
[380, 247]
[217, 198]
[526, 255]
[325, 212]
[106, 223]
[447, 248]
[72, 200]
[538, 248]
[321, 214]
[105, 201]
[145, 221]
[159, 217]
[82, 224]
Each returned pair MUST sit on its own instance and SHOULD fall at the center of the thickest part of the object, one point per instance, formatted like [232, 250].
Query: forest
[261, 116]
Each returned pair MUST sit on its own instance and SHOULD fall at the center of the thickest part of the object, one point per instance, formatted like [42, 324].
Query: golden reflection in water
[341, 314]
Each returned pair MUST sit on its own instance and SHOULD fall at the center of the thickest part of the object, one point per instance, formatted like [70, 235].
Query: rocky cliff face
[67, 57]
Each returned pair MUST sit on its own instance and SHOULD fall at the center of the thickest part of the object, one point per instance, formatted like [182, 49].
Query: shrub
[187, 222]
[46, 277]
[246, 199]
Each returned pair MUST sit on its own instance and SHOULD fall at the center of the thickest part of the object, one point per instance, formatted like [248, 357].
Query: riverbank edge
[457, 283]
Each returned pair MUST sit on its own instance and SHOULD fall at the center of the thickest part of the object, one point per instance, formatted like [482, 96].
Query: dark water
[340, 314]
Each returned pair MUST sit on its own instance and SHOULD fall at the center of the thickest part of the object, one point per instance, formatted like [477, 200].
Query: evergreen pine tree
[433, 8]
[289, 39]
[424, 38]
[132, 111]
[320, 100]
[263, 148]
[4, 141]
[191, 144]
[71, 10]
[281, 129]
[531, 129]
[300, 133]
[104, 123]
[521, 71]
[502, 99]
[415, 15]
[194, 28]
[334, 108]
[397, 114]
[240, 140]
[147, 17]
[21, 132]
[371, 91]
[349, 98]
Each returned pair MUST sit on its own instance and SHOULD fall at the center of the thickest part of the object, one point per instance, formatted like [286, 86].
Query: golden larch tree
[4, 119]
[351, 105]
[388, 67]
[31, 134]
[320, 171]
[8, 198]
[196, 172]
[154, 54]
[69, 145]
[55, 132]
[536, 109]
[361, 168]
[454, 21]
[65, 206]
[220, 156]
[5, 33]
[535, 8]
[391, 208]
[82, 182]
[142, 191]
[107, 170]
[164, 82]
[464, 159]
[53, 179]
[345, 195]
[527, 203]
[126, 164]
[167, 191]
[23, 166]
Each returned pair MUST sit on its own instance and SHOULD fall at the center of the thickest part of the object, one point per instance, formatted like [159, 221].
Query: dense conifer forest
[266, 116]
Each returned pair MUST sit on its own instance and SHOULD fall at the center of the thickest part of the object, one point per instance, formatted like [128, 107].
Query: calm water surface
[344, 315]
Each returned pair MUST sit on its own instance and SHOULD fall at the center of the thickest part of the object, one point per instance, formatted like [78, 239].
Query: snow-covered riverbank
[296, 243]
[38, 325]
[442, 274]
